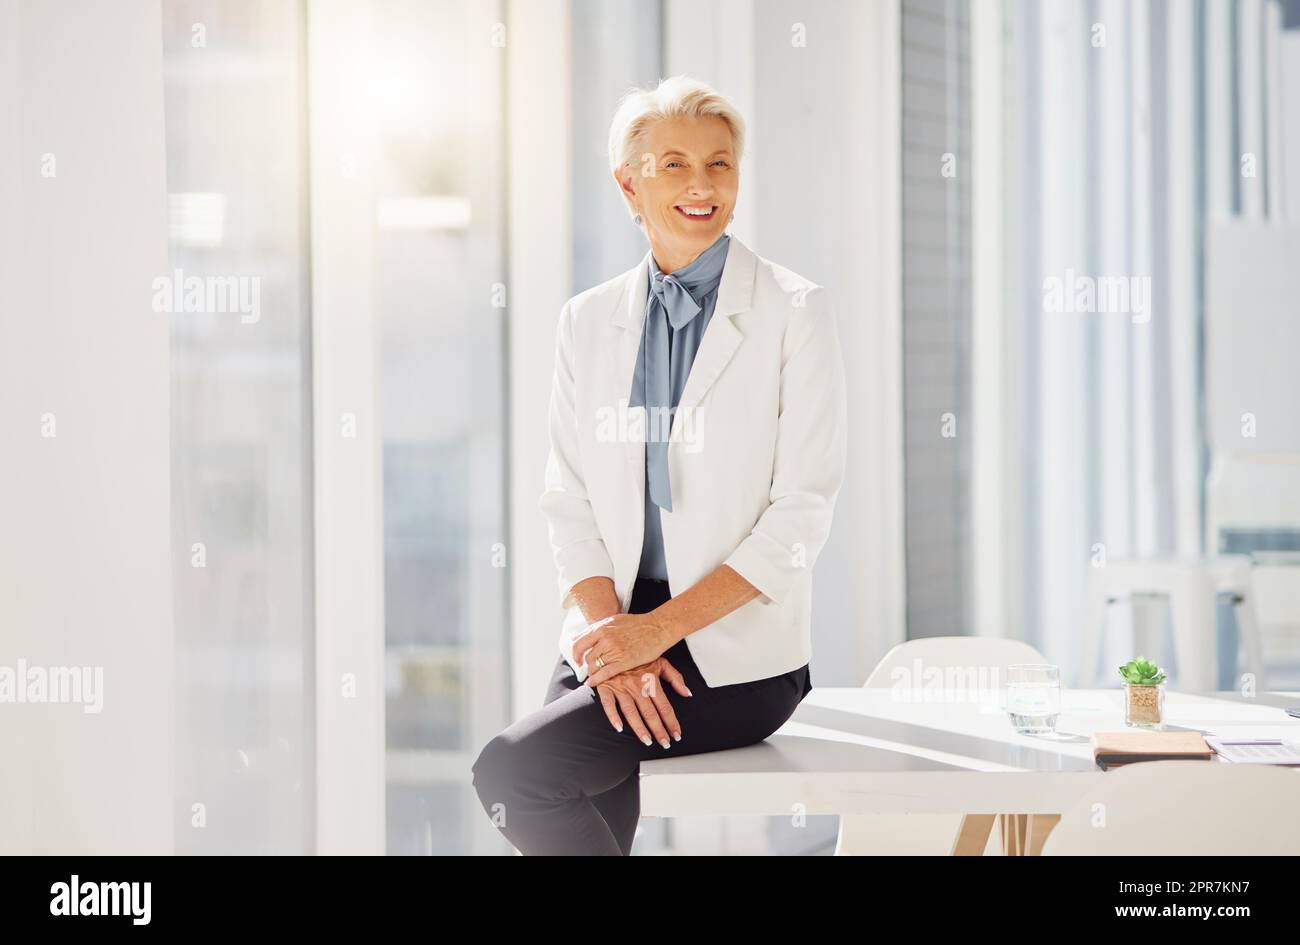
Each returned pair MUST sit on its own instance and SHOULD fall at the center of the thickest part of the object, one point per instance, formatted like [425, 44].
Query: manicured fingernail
[688, 691]
[645, 739]
[666, 743]
[618, 727]
[677, 735]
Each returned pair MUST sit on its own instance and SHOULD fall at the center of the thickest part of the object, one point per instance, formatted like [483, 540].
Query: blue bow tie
[675, 298]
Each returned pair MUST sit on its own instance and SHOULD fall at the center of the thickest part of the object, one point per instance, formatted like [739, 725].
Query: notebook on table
[1116, 749]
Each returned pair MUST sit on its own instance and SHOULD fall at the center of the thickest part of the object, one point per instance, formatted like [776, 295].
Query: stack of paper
[1255, 751]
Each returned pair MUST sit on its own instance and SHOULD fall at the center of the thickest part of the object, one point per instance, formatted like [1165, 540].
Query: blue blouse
[701, 278]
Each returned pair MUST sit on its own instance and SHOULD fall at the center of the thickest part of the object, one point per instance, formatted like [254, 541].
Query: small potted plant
[1145, 704]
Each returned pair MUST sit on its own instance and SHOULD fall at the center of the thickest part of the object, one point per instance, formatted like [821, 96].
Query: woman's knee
[493, 770]
[523, 770]
[508, 769]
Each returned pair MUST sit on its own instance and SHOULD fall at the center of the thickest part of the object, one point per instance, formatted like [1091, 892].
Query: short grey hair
[677, 97]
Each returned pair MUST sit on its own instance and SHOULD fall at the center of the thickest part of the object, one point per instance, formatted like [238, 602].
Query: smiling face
[686, 190]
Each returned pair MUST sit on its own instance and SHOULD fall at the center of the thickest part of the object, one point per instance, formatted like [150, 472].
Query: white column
[85, 559]
[540, 252]
[350, 737]
[870, 514]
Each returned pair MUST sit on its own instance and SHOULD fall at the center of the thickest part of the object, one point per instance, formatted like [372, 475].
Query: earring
[733, 217]
[637, 219]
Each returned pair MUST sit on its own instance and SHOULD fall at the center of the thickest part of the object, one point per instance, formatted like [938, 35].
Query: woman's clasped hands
[624, 665]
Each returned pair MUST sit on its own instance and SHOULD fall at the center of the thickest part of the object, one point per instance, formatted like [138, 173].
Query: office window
[440, 268]
[1127, 140]
[241, 427]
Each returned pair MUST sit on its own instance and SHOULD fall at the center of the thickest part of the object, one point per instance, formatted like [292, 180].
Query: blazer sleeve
[808, 468]
[576, 542]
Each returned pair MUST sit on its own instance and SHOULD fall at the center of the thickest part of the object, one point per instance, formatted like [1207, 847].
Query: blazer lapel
[722, 337]
[629, 315]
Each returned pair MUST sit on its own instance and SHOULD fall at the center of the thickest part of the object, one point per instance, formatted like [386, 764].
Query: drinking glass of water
[1034, 697]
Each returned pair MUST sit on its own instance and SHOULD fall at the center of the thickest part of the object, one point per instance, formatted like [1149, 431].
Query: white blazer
[755, 458]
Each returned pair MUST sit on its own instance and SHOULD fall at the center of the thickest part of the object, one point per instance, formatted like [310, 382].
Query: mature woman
[697, 448]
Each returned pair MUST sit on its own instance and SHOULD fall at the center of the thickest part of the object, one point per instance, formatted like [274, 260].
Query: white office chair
[927, 834]
[1184, 808]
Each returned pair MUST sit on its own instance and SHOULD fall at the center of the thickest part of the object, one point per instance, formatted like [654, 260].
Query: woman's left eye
[722, 163]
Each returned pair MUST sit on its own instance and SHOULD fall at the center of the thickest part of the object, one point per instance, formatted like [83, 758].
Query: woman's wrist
[596, 598]
[717, 595]
[673, 622]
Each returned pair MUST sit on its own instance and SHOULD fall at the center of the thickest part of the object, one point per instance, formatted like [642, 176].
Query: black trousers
[563, 781]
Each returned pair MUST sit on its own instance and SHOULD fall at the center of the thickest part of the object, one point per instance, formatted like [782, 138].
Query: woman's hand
[620, 643]
[643, 701]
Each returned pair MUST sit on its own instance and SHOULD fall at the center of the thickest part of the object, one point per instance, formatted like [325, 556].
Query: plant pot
[1144, 706]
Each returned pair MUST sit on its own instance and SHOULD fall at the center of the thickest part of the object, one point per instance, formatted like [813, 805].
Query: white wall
[85, 573]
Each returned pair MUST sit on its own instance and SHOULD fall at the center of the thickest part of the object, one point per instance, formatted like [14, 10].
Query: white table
[903, 751]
